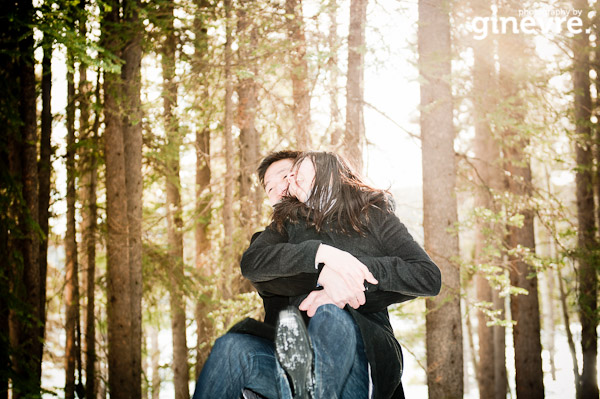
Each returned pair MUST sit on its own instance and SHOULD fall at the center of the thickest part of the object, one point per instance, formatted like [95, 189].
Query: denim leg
[357, 384]
[238, 361]
[341, 369]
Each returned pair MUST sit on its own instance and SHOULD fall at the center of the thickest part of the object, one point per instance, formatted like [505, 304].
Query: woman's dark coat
[282, 267]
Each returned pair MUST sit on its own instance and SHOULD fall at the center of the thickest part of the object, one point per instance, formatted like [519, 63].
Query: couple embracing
[333, 258]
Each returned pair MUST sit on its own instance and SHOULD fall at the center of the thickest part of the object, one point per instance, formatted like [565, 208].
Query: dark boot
[294, 351]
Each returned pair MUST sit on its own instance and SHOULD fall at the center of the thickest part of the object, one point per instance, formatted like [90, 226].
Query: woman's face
[302, 179]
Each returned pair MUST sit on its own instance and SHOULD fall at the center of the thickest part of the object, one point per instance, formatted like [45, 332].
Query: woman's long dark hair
[339, 199]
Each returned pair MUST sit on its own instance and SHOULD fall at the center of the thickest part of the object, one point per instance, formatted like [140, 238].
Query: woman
[343, 232]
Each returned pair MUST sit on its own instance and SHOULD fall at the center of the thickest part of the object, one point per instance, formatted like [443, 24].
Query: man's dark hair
[272, 158]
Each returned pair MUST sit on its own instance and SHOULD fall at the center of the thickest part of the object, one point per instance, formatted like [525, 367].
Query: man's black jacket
[282, 267]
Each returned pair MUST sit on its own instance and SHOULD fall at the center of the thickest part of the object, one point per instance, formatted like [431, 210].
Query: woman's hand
[315, 299]
[338, 289]
[351, 270]
[343, 280]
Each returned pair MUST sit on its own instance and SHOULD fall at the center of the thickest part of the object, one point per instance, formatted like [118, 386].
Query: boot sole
[294, 350]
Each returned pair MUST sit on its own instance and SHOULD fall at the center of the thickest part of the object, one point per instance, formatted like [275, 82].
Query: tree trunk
[299, 73]
[250, 201]
[132, 141]
[229, 156]
[500, 377]
[121, 379]
[512, 57]
[204, 325]
[335, 124]
[71, 268]
[203, 193]
[482, 75]
[4, 290]
[355, 123]
[88, 231]
[485, 367]
[29, 341]
[5, 268]
[550, 318]
[586, 243]
[174, 211]
[489, 181]
[469, 350]
[45, 175]
[118, 276]
[570, 340]
[249, 141]
[443, 321]
[89, 214]
[10, 204]
[547, 290]
[525, 307]
[155, 361]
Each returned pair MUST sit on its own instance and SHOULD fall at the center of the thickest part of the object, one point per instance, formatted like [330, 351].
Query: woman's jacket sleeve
[406, 268]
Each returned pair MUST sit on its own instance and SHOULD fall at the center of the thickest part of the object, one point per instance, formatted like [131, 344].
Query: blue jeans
[239, 361]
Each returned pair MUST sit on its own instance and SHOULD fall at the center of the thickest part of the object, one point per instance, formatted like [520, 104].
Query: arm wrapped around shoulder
[270, 256]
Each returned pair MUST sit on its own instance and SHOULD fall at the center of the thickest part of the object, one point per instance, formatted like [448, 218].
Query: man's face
[276, 183]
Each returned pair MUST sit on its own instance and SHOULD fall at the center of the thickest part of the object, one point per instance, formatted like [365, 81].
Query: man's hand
[351, 270]
[315, 299]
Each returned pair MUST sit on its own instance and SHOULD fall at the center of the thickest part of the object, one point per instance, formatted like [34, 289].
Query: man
[226, 372]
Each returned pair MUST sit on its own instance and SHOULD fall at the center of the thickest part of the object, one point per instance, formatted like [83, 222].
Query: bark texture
[203, 191]
[299, 73]
[45, 177]
[132, 141]
[443, 322]
[122, 148]
[512, 57]
[71, 267]
[247, 89]
[355, 124]
[88, 183]
[26, 339]
[491, 370]
[335, 124]
[174, 210]
[10, 205]
[228, 224]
